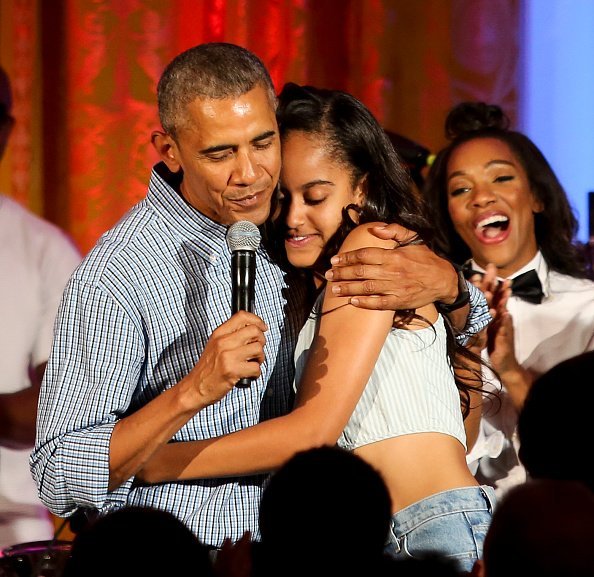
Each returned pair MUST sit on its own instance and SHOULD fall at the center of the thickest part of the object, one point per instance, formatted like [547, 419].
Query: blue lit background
[557, 99]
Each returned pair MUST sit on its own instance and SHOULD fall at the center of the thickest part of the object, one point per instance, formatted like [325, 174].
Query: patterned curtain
[84, 74]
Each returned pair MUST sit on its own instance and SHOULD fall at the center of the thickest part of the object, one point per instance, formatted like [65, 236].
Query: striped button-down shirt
[478, 317]
[133, 321]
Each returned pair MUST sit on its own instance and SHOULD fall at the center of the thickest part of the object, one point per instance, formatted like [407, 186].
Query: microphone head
[243, 235]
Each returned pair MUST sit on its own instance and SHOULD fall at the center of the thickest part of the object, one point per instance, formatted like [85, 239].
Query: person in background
[379, 386]
[36, 260]
[560, 451]
[299, 521]
[299, 518]
[415, 157]
[499, 209]
[543, 527]
[137, 541]
[151, 303]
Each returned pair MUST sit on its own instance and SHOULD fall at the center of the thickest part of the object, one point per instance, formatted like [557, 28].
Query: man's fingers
[358, 271]
[366, 287]
[393, 231]
[376, 303]
[254, 352]
[239, 321]
[366, 255]
[242, 362]
[355, 271]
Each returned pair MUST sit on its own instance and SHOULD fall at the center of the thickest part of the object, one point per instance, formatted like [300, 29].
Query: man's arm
[18, 413]
[234, 350]
[89, 443]
[407, 277]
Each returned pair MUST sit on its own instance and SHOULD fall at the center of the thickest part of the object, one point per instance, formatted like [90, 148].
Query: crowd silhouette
[326, 512]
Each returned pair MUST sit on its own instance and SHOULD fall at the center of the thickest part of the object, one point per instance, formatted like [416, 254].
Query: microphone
[243, 239]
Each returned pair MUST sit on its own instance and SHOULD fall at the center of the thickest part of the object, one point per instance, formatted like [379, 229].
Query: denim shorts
[450, 524]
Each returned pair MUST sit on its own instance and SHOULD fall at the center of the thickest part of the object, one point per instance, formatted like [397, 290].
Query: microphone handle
[243, 267]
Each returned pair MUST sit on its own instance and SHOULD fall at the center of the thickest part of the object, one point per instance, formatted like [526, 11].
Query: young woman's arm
[340, 361]
[472, 421]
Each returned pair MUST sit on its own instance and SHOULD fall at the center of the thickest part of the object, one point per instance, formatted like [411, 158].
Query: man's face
[229, 151]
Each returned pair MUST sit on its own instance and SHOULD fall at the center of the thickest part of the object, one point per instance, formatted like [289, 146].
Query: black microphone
[243, 239]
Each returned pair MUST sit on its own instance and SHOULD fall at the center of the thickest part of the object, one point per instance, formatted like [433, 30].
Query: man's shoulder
[33, 232]
[125, 242]
[17, 216]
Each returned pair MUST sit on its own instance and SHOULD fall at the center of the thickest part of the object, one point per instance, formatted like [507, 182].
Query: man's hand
[407, 277]
[234, 350]
[235, 559]
[18, 412]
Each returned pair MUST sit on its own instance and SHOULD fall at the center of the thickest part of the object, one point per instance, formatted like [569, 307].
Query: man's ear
[166, 149]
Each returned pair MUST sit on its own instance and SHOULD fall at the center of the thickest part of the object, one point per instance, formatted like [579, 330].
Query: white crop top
[411, 388]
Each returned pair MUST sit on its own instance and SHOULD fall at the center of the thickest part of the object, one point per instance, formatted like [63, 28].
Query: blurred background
[84, 75]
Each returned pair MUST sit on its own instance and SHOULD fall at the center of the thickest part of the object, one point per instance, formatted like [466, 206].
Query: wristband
[463, 297]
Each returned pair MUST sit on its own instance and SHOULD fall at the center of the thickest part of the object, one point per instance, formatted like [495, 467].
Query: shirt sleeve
[92, 374]
[478, 316]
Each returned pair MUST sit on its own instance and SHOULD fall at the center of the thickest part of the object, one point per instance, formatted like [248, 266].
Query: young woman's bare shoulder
[361, 237]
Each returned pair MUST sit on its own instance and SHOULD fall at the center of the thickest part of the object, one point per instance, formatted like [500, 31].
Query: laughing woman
[499, 207]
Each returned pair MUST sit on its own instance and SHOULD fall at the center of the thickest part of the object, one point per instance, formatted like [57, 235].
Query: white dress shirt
[545, 334]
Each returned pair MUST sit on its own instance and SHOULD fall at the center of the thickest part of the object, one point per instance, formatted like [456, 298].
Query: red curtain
[84, 74]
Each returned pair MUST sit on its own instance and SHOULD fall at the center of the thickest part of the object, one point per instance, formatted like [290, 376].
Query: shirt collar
[203, 234]
[538, 263]
[176, 212]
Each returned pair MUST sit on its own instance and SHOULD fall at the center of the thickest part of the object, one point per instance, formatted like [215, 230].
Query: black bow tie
[526, 286]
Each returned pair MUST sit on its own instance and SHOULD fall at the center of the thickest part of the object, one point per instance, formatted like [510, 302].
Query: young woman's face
[314, 190]
[491, 204]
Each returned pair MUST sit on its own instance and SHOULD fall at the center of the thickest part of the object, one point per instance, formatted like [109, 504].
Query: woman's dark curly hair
[555, 227]
[353, 138]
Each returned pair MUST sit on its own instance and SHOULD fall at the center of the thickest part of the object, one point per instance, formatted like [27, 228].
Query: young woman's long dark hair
[354, 139]
[555, 227]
